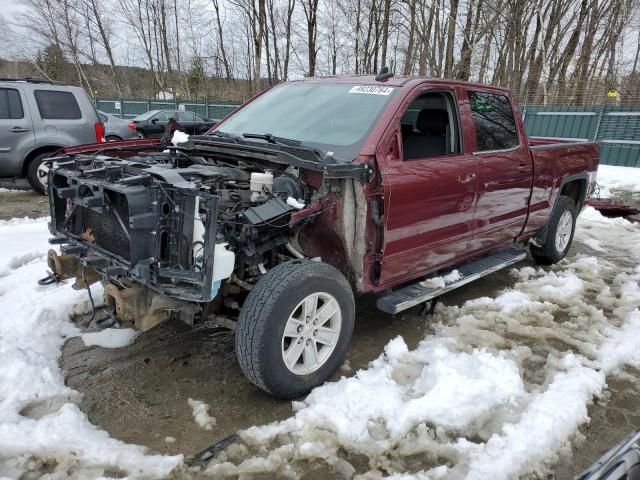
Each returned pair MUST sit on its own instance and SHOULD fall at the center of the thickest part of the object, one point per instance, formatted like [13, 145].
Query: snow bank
[611, 177]
[497, 390]
[40, 421]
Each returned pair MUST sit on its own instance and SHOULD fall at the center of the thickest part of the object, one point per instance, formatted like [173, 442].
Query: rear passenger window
[10, 104]
[57, 105]
[493, 118]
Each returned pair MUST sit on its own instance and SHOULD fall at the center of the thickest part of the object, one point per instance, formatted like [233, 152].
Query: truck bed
[556, 162]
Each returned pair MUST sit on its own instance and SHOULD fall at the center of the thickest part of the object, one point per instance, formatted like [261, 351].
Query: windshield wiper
[235, 138]
[271, 138]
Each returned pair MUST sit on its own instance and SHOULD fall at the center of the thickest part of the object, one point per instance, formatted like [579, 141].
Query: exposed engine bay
[190, 224]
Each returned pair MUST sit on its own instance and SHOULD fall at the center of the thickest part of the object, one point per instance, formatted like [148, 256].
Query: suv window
[10, 104]
[493, 118]
[57, 105]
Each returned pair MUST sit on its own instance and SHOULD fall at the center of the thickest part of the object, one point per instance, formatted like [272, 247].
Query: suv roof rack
[27, 79]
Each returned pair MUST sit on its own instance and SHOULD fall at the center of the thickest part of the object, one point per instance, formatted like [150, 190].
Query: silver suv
[37, 118]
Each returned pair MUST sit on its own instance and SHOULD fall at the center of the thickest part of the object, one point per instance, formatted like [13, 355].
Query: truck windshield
[334, 119]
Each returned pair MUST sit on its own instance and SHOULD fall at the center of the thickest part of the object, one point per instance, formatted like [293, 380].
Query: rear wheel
[37, 173]
[294, 327]
[562, 225]
[112, 138]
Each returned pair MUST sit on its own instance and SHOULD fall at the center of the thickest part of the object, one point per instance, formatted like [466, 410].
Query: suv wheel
[37, 173]
[562, 225]
[294, 327]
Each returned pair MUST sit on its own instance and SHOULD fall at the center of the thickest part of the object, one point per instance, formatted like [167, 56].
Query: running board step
[421, 292]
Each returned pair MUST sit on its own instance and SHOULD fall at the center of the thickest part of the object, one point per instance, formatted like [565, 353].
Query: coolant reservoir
[223, 262]
[261, 181]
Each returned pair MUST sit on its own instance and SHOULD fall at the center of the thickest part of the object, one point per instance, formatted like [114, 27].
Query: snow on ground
[498, 390]
[617, 178]
[40, 420]
[200, 411]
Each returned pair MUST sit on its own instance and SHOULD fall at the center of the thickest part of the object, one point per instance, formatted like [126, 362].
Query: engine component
[286, 187]
[261, 181]
[144, 308]
[267, 212]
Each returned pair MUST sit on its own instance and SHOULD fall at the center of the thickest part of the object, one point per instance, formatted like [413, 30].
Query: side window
[163, 117]
[185, 117]
[57, 105]
[493, 118]
[10, 104]
[430, 127]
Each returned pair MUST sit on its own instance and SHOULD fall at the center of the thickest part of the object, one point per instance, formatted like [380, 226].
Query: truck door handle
[19, 130]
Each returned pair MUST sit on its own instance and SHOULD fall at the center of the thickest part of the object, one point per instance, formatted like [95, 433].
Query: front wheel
[294, 327]
[562, 225]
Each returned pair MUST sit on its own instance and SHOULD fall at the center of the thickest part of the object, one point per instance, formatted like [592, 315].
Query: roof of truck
[395, 81]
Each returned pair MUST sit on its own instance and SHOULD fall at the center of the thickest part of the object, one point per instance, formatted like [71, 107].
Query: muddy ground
[21, 202]
[139, 393]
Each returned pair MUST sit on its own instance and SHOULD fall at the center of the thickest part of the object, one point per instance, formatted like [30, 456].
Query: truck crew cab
[311, 193]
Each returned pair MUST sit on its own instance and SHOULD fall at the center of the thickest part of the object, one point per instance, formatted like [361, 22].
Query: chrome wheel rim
[563, 232]
[43, 174]
[311, 333]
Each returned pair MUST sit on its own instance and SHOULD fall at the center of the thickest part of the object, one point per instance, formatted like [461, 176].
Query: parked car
[153, 122]
[116, 129]
[38, 118]
[311, 193]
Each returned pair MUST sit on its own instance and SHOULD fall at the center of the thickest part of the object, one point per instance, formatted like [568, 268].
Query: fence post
[599, 120]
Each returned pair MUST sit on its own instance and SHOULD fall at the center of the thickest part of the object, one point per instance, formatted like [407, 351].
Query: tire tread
[252, 322]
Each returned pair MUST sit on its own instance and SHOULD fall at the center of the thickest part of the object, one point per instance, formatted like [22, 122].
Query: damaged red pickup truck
[308, 194]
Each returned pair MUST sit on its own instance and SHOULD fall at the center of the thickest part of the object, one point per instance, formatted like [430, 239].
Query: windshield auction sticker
[371, 89]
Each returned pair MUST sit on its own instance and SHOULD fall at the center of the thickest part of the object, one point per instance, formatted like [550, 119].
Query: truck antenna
[383, 75]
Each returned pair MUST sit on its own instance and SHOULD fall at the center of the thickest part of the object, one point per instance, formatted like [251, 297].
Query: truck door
[16, 131]
[505, 170]
[429, 188]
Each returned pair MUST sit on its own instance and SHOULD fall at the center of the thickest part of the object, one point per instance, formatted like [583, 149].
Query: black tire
[264, 315]
[549, 253]
[32, 173]
[112, 138]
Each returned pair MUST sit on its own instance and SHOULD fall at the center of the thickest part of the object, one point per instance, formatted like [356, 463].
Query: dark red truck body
[436, 212]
